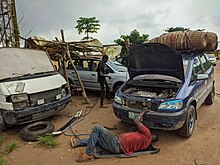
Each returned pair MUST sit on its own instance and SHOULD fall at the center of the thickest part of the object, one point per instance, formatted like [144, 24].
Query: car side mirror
[202, 77]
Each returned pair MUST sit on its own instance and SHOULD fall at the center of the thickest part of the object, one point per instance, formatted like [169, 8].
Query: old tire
[210, 98]
[32, 131]
[189, 125]
[3, 125]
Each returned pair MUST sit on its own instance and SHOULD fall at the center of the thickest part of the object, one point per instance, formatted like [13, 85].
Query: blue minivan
[172, 84]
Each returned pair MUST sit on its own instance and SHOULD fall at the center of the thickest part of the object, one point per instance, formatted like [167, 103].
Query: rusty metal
[9, 32]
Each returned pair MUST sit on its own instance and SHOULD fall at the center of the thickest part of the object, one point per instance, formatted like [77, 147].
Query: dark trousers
[104, 90]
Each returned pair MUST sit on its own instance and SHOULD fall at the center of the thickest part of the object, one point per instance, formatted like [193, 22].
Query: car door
[93, 75]
[199, 85]
[83, 69]
[208, 69]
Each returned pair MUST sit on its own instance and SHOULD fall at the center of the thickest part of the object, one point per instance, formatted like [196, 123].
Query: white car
[212, 59]
[86, 68]
[30, 88]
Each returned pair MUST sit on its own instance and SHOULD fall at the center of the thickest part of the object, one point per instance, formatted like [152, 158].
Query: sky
[46, 18]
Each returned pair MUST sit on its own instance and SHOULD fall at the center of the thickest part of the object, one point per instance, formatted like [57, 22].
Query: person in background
[126, 143]
[102, 74]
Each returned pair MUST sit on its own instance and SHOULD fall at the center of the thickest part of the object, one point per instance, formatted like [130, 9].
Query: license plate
[132, 115]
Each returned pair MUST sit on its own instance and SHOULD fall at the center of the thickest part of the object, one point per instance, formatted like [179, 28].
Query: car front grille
[48, 96]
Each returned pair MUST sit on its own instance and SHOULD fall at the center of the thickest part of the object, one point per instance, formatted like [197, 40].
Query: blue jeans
[102, 137]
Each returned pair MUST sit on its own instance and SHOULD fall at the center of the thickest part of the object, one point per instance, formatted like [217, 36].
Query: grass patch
[2, 139]
[2, 161]
[47, 141]
[10, 147]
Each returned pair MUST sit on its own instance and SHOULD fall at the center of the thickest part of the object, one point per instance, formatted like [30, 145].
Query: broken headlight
[171, 105]
[20, 101]
[117, 98]
[19, 98]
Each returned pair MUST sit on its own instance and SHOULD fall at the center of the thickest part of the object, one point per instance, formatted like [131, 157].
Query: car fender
[192, 101]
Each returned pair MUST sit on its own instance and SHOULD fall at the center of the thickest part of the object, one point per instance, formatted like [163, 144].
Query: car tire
[3, 125]
[189, 125]
[35, 130]
[210, 98]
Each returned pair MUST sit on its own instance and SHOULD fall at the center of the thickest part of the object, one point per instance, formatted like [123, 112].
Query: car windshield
[117, 66]
[211, 55]
[19, 62]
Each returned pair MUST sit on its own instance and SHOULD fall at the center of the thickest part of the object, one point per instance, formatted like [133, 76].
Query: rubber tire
[185, 130]
[35, 130]
[210, 98]
[3, 125]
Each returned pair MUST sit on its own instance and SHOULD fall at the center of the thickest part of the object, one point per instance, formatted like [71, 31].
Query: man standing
[124, 143]
[102, 74]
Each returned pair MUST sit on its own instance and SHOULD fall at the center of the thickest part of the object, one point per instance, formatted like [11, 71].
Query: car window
[94, 65]
[197, 66]
[206, 63]
[80, 64]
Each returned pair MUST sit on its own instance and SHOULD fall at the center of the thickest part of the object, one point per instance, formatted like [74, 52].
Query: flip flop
[73, 142]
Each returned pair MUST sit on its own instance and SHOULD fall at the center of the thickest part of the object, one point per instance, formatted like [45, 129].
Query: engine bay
[151, 92]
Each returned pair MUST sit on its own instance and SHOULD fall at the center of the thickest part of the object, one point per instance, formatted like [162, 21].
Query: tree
[174, 29]
[134, 38]
[87, 25]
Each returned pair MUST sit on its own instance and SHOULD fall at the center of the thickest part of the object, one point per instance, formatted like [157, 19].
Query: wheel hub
[191, 122]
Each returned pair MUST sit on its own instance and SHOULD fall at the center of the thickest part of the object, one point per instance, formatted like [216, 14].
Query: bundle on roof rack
[189, 40]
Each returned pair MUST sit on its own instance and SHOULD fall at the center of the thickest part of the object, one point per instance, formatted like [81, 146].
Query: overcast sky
[45, 18]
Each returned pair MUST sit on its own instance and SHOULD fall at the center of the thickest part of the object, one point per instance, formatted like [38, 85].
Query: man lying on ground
[126, 143]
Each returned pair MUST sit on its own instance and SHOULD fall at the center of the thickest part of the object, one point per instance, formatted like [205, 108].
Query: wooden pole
[63, 60]
[77, 75]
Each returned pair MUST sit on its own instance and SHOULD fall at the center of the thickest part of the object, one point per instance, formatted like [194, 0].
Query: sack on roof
[189, 40]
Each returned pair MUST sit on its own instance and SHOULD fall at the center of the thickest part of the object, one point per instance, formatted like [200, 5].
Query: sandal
[84, 158]
[73, 142]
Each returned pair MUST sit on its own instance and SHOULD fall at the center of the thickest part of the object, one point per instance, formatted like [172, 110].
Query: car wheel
[189, 125]
[210, 98]
[35, 130]
[3, 125]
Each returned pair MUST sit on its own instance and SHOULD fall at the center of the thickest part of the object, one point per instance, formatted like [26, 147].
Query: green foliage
[10, 147]
[87, 25]
[2, 161]
[2, 139]
[174, 29]
[134, 38]
[47, 141]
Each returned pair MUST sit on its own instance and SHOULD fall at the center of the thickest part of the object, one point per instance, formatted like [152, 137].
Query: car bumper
[35, 113]
[153, 119]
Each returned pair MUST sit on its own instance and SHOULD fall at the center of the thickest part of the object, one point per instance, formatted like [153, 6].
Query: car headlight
[117, 98]
[171, 105]
[19, 98]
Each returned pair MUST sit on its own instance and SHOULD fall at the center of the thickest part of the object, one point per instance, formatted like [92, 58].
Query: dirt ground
[203, 148]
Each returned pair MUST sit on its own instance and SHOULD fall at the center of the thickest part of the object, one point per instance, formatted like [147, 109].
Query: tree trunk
[77, 75]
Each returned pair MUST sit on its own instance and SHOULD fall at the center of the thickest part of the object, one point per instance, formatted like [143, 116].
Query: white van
[30, 88]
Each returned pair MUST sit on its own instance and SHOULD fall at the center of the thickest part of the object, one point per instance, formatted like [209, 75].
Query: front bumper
[31, 114]
[153, 119]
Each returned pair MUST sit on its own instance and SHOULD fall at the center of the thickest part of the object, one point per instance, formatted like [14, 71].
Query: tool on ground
[69, 124]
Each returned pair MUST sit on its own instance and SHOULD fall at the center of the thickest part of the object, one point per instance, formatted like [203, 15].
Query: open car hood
[154, 58]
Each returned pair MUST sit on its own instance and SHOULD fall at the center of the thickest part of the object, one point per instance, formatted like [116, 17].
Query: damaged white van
[30, 88]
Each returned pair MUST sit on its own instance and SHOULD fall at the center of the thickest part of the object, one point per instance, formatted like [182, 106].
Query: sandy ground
[201, 149]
